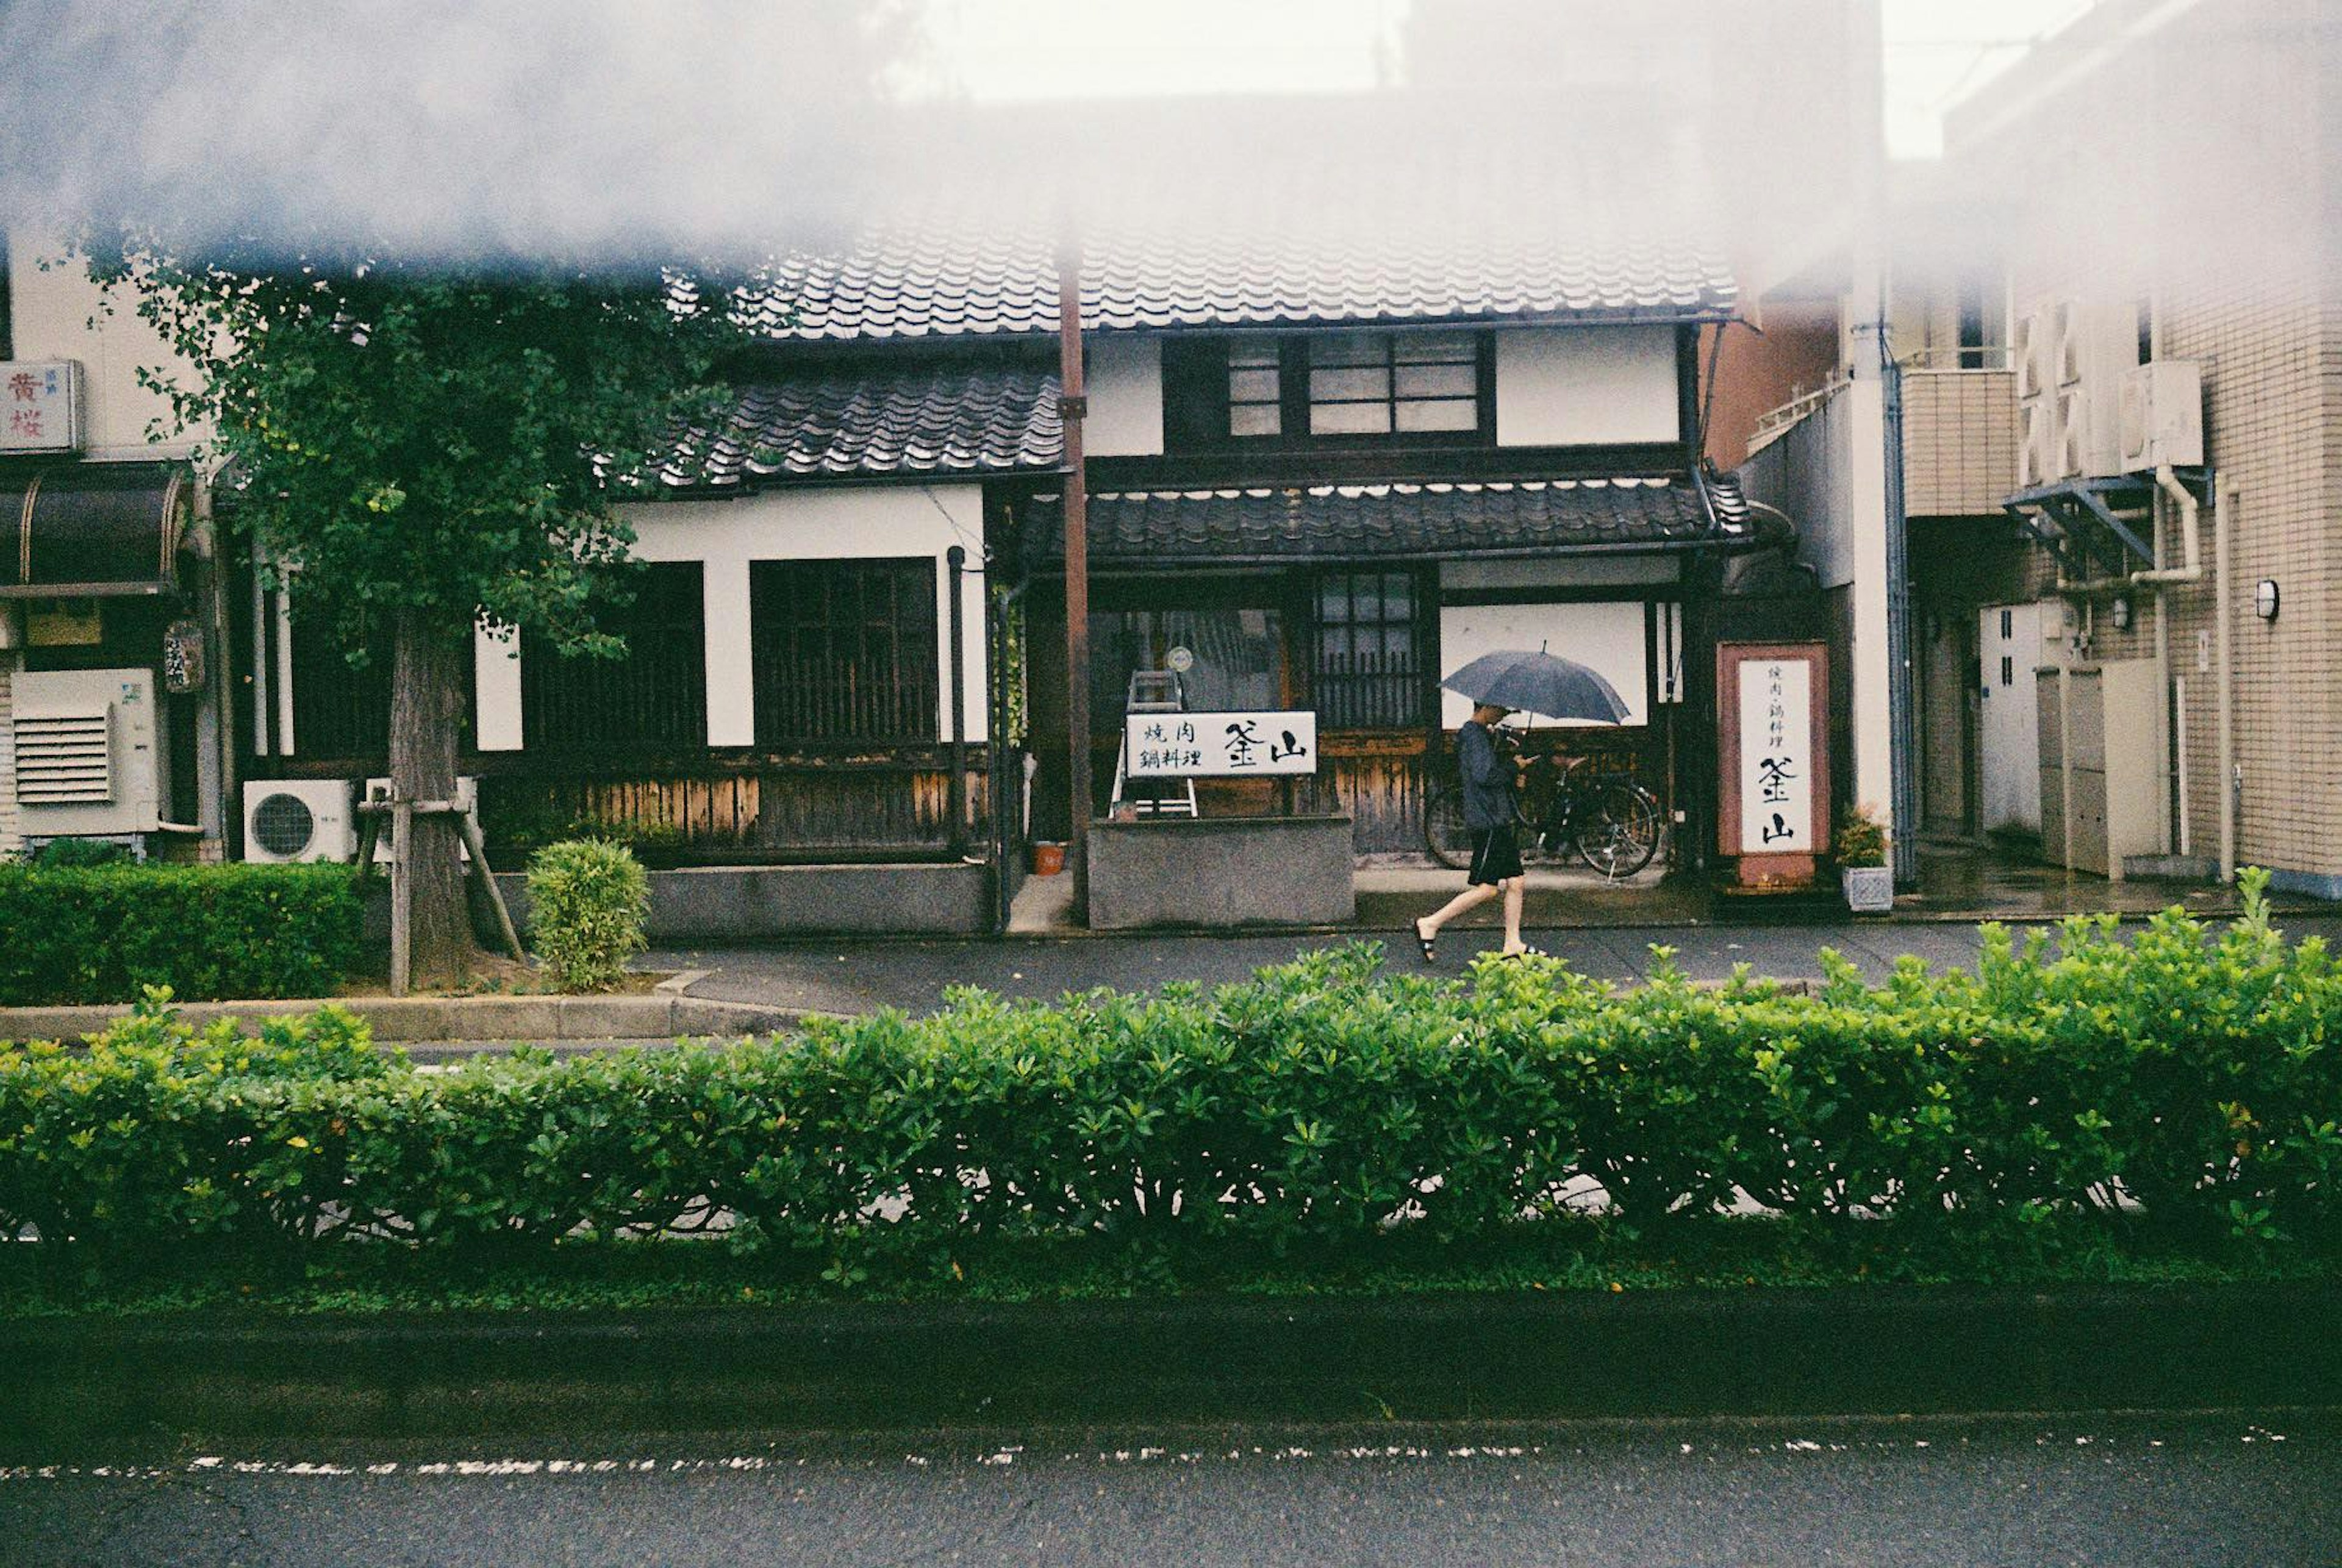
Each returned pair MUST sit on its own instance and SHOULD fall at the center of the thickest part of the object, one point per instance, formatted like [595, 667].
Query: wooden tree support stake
[402, 891]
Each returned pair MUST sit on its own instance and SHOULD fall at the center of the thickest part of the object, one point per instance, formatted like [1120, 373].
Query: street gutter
[225, 1377]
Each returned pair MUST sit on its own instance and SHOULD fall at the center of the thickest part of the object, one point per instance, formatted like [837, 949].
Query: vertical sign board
[40, 405]
[1774, 756]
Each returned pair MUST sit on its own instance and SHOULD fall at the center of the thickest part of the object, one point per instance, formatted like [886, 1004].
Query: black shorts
[1496, 856]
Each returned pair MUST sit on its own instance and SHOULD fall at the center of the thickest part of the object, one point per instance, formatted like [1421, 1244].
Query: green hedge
[103, 934]
[2174, 1086]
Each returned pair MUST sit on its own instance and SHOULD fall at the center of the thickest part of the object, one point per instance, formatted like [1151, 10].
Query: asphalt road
[855, 976]
[2141, 1491]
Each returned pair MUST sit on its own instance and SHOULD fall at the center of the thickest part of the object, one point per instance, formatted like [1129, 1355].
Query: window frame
[1405, 693]
[1210, 428]
[916, 700]
[683, 633]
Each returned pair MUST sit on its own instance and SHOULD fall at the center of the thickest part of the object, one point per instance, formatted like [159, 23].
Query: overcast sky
[1008, 50]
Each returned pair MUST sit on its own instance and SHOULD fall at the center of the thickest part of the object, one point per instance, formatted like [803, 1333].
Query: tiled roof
[906, 284]
[1349, 522]
[863, 421]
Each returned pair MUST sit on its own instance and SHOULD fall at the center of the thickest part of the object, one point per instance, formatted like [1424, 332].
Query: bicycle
[1613, 824]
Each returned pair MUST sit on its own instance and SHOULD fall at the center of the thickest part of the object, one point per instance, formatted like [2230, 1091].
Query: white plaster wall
[52, 312]
[867, 522]
[1608, 637]
[1124, 378]
[1829, 475]
[496, 660]
[1585, 386]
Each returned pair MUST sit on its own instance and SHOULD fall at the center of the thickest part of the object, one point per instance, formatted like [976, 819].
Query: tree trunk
[427, 700]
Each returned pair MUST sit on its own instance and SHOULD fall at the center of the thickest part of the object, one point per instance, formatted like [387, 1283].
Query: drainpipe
[2223, 515]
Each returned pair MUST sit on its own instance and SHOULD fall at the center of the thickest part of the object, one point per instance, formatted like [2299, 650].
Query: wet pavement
[2139, 1491]
[911, 974]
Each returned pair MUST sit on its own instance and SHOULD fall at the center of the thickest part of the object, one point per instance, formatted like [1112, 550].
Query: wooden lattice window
[653, 701]
[844, 650]
[1369, 667]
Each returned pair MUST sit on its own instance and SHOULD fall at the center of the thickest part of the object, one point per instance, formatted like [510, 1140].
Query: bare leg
[1517, 890]
[1470, 898]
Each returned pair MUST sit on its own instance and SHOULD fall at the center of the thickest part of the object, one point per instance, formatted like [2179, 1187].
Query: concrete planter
[1869, 889]
[722, 903]
[1218, 872]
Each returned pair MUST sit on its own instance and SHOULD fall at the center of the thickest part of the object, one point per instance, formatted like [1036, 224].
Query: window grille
[844, 650]
[652, 702]
[1368, 667]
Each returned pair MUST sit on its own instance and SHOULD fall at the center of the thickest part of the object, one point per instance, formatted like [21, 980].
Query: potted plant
[1862, 863]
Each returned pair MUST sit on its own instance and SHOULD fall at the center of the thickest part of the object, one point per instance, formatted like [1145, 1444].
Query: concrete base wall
[750, 904]
[1221, 872]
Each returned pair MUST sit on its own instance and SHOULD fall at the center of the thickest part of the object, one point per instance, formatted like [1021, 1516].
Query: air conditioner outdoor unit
[86, 753]
[2031, 356]
[2162, 415]
[2037, 456]
[289, 820]
[467, 795]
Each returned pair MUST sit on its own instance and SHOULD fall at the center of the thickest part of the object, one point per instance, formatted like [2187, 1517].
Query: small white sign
[1219, 745]
[1776, 775]
[40, 405]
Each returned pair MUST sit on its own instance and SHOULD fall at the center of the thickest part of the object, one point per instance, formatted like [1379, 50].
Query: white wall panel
[1608, 637]
[864, 523]
[1125, 383]
[1585, 386]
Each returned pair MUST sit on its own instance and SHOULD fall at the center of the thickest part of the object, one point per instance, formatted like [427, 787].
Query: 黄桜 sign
[1777, 767]
[1219, 744]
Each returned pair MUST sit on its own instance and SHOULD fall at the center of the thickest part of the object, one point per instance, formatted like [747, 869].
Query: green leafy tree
[424, 450]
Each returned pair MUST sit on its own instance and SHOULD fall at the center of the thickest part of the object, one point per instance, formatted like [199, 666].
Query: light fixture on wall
[2119, 614]
[2265, 599]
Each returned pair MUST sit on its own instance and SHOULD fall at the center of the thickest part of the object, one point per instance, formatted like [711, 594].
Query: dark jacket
[1488, 778]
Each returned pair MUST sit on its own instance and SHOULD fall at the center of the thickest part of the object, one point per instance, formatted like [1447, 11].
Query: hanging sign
[1775, 782]
[1219, 745]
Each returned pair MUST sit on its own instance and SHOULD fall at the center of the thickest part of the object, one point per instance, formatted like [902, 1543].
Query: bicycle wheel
[1620, 830]
[1444, 838]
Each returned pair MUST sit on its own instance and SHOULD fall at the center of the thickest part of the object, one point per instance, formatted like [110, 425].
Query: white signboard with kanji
[1776, 775]
[1219, 745]
[40, 405]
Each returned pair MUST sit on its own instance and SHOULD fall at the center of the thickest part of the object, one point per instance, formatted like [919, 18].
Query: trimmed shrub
[587, 902]
[2179, 1089]
[207, 932]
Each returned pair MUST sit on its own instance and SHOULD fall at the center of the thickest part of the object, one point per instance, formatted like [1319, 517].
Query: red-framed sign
[1772, 702]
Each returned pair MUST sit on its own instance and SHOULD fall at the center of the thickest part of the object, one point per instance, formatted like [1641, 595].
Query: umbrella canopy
[1539, 682]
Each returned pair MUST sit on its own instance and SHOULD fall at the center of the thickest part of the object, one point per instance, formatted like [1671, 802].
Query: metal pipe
[955, 794]
[2163, 728]
[1072, 405]
[2223, 518]
[2179, 751]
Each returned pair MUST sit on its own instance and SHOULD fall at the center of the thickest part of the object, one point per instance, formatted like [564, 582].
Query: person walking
[1493, 818]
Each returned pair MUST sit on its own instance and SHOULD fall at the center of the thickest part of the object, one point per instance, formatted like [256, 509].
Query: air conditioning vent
[283, 826]
[64, 757]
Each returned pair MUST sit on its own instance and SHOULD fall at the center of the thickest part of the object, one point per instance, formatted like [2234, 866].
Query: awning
[1405, 520]
[92, 530]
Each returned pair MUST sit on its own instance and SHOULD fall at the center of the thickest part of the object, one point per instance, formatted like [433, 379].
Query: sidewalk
[855, 976]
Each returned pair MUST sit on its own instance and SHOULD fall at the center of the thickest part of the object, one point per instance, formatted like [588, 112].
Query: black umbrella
[1539, 682]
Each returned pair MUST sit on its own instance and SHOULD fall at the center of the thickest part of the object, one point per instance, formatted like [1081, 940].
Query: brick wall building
[2176, 170]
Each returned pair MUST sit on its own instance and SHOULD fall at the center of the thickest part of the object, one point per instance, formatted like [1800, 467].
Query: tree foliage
[406, 438]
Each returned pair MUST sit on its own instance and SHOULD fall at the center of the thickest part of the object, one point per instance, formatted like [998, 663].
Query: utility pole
[1073, 406]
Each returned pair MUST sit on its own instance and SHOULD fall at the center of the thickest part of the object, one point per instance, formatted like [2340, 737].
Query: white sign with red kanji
[1776, 790]
[1219, 745]
[40, 405]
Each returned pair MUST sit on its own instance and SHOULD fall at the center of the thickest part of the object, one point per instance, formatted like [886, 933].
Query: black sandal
[1425, 942]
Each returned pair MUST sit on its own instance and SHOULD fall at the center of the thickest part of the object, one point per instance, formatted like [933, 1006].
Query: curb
[665, 1015]
[225, 1377]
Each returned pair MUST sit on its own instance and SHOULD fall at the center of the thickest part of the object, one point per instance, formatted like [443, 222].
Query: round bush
[587, 902]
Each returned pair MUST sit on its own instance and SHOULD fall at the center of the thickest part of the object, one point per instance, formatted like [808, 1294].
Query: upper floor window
[1383, 382]
[1330, 387]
